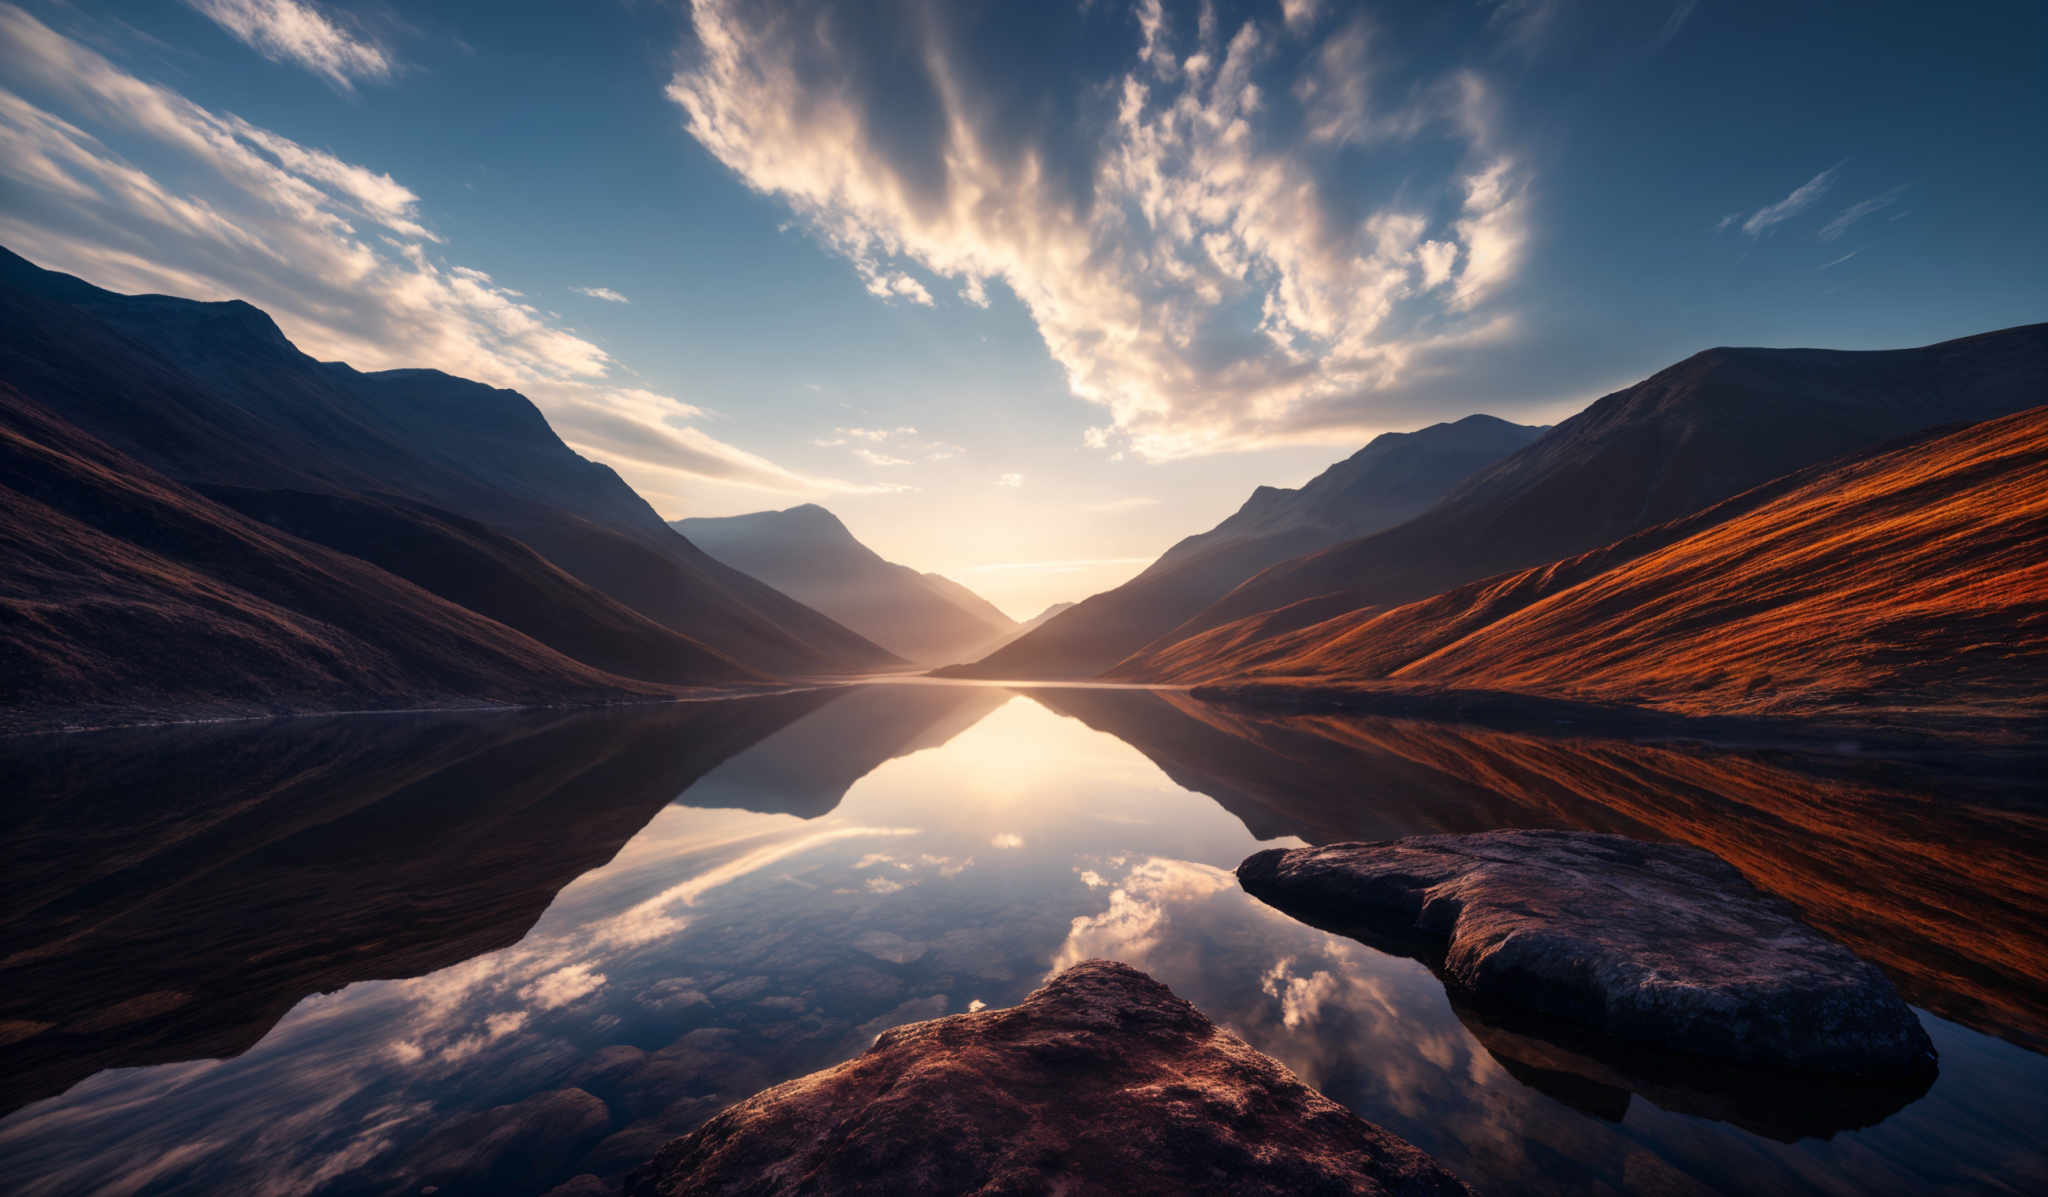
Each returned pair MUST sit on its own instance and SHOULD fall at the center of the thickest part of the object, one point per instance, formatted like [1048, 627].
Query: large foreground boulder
[1101, 1081]
[1617, 944]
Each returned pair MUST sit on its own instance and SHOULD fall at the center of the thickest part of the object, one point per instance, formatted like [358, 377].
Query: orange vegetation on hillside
[1915, 577]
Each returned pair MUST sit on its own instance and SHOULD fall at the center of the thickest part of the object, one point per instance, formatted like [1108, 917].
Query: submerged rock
[1614, 944]
[1100, 1080]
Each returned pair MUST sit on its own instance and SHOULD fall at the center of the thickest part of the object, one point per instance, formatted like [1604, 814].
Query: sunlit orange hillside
[1915, 577]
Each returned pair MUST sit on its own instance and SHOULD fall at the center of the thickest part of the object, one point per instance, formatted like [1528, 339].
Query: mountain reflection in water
[596, 929]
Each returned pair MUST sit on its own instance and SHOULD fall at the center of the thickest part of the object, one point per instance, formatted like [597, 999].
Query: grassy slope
[125, 595]
[1912, 577]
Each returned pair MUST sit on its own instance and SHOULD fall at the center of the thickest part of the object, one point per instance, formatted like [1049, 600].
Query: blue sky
[1026, 292]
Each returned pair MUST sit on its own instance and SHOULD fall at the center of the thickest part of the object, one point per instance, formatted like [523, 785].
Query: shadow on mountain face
[172, 893]
[1924, 865]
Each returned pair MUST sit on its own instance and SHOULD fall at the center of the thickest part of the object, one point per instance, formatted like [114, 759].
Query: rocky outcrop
[1613, 944]
[1101, 1079]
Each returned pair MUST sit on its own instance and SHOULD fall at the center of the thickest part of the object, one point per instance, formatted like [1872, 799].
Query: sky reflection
[984, 842]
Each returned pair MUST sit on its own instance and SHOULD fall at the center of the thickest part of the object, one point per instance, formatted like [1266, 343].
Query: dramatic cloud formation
[297, 32]
[1803, 197]
[335, 251]
[1236, 236]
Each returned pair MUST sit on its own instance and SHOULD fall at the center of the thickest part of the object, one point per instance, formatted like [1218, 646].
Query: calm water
[490, 954]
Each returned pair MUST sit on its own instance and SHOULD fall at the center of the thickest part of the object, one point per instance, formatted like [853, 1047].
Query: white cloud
[604, 293]
[338, 253]
[299, 32]
[904, 446]
[1802, 197]
[563, 986]
[1010, 480]
[1833, 229]
[1195, 256]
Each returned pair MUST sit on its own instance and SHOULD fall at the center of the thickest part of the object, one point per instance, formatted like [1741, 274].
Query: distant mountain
[125, 595]
[1701, 431]
[807, 553]
[1396, 476]
[212, 394]
[1910, 579]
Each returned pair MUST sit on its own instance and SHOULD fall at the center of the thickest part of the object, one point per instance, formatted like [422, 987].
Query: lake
[492, 952]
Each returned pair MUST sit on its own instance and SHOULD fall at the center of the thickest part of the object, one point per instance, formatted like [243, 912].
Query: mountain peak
[807, 552]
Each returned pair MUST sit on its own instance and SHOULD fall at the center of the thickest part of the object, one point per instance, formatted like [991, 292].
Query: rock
[1614, 944]
[1101, 1080]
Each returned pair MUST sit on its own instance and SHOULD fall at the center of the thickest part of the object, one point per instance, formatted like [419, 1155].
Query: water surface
[492, 953]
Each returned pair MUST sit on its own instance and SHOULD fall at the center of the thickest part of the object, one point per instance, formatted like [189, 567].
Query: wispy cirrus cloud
[338, 253]
[1207, 236]
[904, 445]
[604, 293]
[1841, 224]
[303, 33]
[1802, 197]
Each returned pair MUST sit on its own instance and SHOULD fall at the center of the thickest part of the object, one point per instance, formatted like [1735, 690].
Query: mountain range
[807, 553]
[202, 520]
[1908, 577]
[1648, 550]
[202, 514]
[1710, 427]
[1397, 476]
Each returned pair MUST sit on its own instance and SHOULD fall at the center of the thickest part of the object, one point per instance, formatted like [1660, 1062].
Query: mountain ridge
[808, 552]
[1392, 477]
[212, 394]
[1910, 578]
[1697, 432]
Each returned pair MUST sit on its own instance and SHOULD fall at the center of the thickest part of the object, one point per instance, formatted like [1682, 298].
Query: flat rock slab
[1101, 1081]
[1636, 945]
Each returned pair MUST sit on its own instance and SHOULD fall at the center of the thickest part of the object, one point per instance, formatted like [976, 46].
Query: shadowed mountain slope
[213, 394]
[489, 573]
[807, 553]
[1392, 479]
[1701, 431]
[1911, 578]
[124, 595]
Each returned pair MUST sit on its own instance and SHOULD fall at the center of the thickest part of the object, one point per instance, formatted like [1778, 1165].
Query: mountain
[807, 553]
[126, 595]
[1710, 427]
[1911, 579]
[1396, 476]
[487, 572]
[212, 394]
